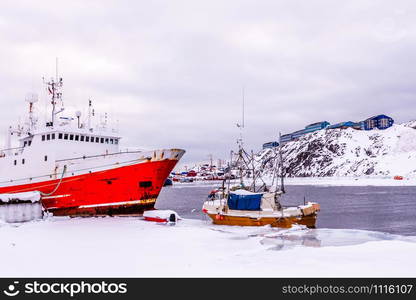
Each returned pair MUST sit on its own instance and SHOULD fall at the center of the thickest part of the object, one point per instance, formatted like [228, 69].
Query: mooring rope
[57, 186]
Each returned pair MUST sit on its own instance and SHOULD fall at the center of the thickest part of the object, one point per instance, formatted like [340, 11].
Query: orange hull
[309, 221]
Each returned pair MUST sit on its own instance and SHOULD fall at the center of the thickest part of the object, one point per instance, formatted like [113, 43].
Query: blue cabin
[380, 122]
[270, 145]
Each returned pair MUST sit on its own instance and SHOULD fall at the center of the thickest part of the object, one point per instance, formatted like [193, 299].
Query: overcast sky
[172, 71]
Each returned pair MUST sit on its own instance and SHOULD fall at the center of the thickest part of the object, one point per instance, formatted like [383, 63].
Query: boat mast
[54, 88]
[282, 186]
[240, 141]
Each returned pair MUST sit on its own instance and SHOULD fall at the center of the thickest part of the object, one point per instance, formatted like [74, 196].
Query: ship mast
[240, 142]
[54, 87]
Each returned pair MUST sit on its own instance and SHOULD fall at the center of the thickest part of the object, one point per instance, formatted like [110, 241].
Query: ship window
[87, 138]
[60, 136]
[24, 144]
[15, 162]
[43, 137]
[102, 140]
[48, 137]
[82, 138]
[46, 158]
[77, 137]
[106, 141]
[23, 161]
[53, 136]
[111, 141]
[116, 141]
[29, 143]
[71, 137]
[97, 139]
[65, 136]
[145, 184]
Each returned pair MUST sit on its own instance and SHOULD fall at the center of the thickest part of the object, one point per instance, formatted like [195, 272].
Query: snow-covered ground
[129, 246]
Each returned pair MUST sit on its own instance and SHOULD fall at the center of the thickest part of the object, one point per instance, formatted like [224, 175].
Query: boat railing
[95, 156]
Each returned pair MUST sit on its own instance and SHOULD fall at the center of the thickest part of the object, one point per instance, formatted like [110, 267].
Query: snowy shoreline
[322, 181]
[130, 246]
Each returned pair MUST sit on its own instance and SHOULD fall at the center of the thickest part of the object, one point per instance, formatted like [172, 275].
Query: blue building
[286, 138]
[380, 122]
[316, 126]
[308, 129]
[270, 145]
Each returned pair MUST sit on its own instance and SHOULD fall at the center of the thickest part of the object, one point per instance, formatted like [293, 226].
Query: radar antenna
[54, 88]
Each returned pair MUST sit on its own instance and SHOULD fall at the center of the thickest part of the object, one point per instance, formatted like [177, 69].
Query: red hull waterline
[126, 190]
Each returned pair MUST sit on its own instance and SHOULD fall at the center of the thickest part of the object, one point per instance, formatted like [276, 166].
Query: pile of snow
[349, 152]
[195, 248]
[21, 212]
[20, 207]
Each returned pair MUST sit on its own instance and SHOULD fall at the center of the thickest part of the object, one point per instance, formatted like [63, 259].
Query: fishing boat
[76, 164]
[245, 208]
[255, 203]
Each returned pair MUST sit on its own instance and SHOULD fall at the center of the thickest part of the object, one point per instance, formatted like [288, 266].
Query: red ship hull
[117, 191]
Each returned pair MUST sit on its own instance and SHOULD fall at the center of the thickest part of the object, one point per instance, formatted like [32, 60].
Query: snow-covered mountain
[349, 152]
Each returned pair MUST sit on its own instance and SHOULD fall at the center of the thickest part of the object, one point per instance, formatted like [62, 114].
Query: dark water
[385, 209]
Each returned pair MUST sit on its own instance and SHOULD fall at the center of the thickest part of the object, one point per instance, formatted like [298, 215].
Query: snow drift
[131, 247]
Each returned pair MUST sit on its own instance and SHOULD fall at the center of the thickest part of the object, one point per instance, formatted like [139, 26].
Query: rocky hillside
[349, 152]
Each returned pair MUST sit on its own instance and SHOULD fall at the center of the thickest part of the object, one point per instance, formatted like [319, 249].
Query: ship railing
[99, 155]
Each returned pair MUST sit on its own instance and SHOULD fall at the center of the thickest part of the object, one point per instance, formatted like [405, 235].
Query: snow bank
[20, 207]
[19, 197]
[122, 247]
